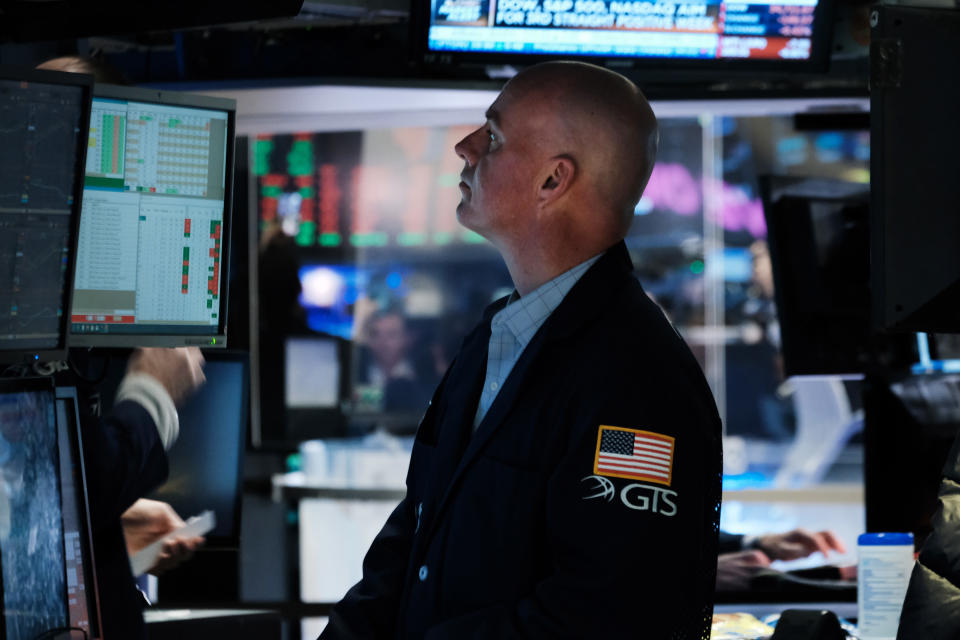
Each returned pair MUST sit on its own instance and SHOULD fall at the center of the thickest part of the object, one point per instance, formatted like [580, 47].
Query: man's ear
[558, 180]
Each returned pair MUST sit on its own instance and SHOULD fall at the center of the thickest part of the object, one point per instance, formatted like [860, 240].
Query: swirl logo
[602, 488]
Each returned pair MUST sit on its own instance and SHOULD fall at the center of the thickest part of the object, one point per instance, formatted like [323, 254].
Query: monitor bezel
[820, 47]
[69, 395]
[85, 84]
[217, 340]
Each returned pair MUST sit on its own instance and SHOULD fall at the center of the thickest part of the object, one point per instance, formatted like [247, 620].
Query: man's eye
[491, 138]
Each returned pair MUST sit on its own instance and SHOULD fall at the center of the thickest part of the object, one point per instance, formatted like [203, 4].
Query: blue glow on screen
[330, 291]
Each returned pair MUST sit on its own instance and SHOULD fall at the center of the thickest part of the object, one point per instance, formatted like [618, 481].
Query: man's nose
[466, 148]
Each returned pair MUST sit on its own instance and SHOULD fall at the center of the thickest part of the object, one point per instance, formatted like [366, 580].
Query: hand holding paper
[157, 539]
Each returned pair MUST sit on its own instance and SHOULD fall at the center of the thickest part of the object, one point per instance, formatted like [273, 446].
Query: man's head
[388, 338]
[566, 152]
[100, 70]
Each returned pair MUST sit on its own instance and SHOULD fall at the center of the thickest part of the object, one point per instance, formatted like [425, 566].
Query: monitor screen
[660, 30]
[46, 565]
[312, 373]
[819, 248]
[44, 118]
[154, 223]
[207, 460]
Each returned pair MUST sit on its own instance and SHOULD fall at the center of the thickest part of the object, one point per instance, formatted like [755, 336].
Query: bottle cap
[885, 539]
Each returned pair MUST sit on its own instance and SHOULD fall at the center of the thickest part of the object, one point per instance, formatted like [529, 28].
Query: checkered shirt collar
[524, 316]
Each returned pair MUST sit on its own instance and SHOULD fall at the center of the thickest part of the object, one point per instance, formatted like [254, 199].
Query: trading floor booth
[305, 237]
[358, 254]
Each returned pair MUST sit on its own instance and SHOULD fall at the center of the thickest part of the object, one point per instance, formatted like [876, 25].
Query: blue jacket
[124, 461]
[512, 532]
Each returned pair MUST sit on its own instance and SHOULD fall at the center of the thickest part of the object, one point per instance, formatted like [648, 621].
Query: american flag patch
[634, 454]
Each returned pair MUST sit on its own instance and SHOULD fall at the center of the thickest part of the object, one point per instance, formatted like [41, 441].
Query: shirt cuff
[749, 542]
[147, 391]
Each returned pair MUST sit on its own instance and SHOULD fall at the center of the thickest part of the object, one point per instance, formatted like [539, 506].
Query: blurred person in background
[386, 363]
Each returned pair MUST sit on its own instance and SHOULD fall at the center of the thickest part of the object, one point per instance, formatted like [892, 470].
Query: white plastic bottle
[883, 574]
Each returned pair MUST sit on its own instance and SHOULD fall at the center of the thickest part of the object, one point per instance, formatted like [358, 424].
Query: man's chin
[463, 215]
[468, 219]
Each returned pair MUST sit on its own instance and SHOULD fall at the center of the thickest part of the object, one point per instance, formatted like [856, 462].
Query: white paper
[198, 525]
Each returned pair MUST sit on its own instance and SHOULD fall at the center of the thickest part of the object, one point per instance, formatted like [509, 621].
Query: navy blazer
[124, 461]
[510, 532]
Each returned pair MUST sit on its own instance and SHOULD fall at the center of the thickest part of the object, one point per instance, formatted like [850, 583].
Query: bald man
[565, 480]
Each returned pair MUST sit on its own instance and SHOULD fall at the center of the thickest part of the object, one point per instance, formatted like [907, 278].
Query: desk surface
[846, 610]
[297, 486]
[153, 616]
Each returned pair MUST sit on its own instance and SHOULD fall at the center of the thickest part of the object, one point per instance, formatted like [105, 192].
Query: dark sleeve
[369, 610]
[729, 542]
[931, 608]
[124, 461]
[121, 604]
[626, 554]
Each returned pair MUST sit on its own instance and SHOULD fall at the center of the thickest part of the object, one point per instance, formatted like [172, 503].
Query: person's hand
[179, 370]
[145, 522]
[174, 553]
[799, 543]
[734, 570]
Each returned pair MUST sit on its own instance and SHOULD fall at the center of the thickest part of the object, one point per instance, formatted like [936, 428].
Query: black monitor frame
[68, 396]
[85, 84]
[654, 68]
[190, 100]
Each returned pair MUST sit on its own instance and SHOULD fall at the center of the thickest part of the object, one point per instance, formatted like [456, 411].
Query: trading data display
[631, 28]
[376, 188]
[151, 227]
[40, 125]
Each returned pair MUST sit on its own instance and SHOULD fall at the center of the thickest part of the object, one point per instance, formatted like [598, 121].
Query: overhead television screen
[792, 31]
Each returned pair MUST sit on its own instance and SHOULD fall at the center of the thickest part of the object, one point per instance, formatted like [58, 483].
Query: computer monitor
[819, 249]
[154, 228]
[46, 559]
[206, 462]
[44, 116]
[914, 135]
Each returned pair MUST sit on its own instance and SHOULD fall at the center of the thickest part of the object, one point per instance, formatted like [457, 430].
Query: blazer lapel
[463, 394]
[503, 402]
[461, 397]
